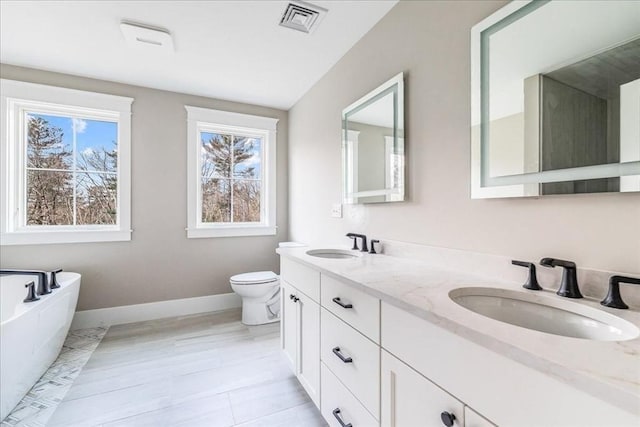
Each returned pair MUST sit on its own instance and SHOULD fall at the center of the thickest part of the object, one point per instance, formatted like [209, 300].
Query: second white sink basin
[545, 314]
[334, 253]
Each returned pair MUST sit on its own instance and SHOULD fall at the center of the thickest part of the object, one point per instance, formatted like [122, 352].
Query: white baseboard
[104, 317]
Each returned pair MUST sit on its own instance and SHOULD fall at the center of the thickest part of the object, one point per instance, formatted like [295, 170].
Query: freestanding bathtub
[31, 334]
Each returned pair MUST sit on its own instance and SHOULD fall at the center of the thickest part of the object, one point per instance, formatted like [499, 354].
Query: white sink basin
[545, 314]
[334, 253]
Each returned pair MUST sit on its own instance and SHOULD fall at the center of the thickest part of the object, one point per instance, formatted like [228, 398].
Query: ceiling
[233, 50]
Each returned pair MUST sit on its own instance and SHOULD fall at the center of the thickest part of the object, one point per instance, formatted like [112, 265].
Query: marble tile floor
[202, 370]
[35, 409]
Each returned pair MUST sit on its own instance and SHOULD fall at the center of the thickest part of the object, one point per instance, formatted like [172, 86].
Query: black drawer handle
[336, 413]
[294, 298]
[341, 304]
[336, 351]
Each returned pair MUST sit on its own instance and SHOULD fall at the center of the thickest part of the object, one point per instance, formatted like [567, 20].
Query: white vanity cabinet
[350, 354]
[504, 391]
[473, 419]
[409, 399]
[300, 325]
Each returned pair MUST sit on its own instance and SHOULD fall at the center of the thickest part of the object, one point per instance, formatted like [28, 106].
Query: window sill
[61, 237]
[206, 232]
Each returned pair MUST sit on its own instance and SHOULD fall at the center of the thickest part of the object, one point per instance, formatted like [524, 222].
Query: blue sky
[90, 134]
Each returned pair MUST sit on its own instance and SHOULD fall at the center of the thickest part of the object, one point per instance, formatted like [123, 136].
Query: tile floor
[35, 409]
[203, 370]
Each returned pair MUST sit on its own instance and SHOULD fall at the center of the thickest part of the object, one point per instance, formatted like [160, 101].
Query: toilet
[260, 293]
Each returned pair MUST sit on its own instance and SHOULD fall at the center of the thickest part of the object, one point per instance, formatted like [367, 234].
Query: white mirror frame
[524, 185]
[349, 178]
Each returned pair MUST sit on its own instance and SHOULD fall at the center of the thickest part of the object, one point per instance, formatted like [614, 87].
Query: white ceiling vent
[145, 36]
[302, 16]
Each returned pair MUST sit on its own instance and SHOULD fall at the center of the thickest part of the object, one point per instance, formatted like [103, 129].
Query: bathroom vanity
[378, 340]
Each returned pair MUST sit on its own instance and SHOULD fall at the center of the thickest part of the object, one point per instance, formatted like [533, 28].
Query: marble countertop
[608, 370]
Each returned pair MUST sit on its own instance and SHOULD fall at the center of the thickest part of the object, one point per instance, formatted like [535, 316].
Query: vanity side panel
[491, 383]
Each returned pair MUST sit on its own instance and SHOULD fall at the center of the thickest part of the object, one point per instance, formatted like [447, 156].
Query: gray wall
[159, 263]
[429, 41]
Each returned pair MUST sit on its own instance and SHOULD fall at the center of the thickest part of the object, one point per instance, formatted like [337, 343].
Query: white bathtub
[31, 334]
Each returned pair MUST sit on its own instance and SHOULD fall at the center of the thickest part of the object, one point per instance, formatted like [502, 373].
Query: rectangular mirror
[373, 145]
[556, 99]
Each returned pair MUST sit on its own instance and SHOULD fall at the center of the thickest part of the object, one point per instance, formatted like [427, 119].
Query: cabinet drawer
[364, 313]
[409, 399]
[306, 279]
[336, 397]
[360, 371]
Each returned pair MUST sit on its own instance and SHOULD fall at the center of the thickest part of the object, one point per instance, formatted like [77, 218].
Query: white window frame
[208, 120]
[16, 97]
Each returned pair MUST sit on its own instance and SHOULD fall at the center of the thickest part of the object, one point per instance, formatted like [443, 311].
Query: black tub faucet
[569, 285]
[613, 298]
[43, 278]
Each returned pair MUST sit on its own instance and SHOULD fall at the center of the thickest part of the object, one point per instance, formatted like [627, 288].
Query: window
[231, 167]
[66, 167]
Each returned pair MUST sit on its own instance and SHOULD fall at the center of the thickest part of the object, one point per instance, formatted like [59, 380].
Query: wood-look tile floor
[203, 370]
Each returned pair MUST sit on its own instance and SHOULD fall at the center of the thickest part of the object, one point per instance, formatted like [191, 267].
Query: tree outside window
[71, 171]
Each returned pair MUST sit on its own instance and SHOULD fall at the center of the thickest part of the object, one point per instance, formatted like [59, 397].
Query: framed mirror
[556, 99]
[373, 145]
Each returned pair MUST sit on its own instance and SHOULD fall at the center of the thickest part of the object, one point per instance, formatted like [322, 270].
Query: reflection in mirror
[556, 107]
[373, 146]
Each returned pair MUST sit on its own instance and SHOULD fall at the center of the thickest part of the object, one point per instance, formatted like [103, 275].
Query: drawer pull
[336, 351]
[341, 304]
[293, 298]
[447, 418]
[336, 413]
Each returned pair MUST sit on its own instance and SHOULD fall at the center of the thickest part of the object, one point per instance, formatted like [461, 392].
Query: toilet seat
[254, 278]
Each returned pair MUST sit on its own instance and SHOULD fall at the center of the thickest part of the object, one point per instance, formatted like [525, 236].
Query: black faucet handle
[373, 246]
[354, 237]
[554, 262]
[532, 280]
[54, 281]
[613, 298]
[31, 292]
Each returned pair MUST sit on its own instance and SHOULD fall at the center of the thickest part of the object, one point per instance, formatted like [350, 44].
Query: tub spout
[43, 279]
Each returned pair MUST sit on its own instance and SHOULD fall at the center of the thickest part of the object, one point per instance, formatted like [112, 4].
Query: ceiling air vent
[302, 16]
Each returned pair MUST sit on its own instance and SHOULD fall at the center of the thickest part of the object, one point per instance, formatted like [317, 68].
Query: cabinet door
[408, 399]
[309, 346]
[473, 419]
[289, 325]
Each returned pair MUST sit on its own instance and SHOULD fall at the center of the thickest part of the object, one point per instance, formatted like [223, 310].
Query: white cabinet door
[408, 399]
[309, 346]
[473, 419]
[289, 325]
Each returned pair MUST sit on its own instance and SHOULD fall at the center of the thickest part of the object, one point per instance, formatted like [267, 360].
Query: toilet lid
[254, 277]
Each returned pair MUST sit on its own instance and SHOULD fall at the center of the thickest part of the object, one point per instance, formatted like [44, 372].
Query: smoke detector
[146, 36]
[302, 16]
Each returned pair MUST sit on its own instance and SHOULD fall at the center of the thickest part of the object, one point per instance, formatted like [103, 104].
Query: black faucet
[373, 246]
[31, 292]
[569, 284]
[613, 298]
[365, 247]
[43, 279]
[355, 240]
[532, 280]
